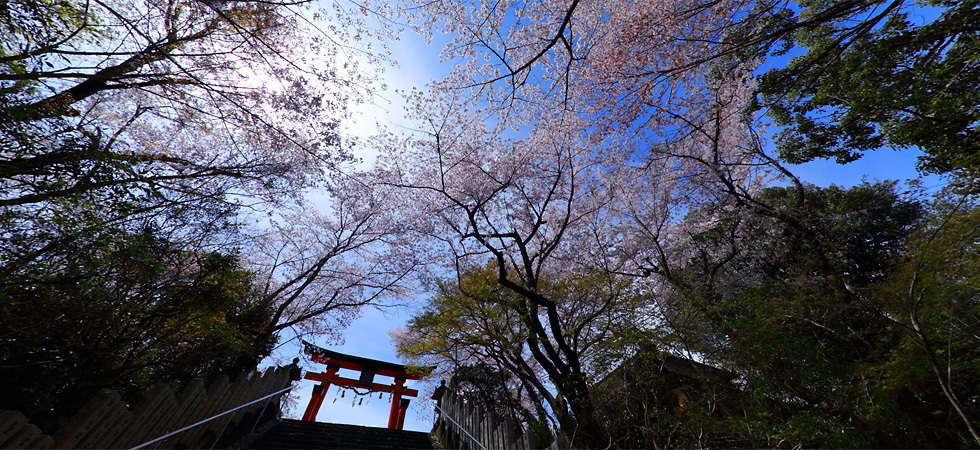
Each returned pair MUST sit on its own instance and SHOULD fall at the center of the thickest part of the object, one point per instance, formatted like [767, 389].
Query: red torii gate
[368, 368]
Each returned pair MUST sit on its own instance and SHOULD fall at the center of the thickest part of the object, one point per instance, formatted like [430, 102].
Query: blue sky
[367, 336]
[877, 165]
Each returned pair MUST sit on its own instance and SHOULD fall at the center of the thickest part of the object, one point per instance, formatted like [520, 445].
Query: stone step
[297, 434]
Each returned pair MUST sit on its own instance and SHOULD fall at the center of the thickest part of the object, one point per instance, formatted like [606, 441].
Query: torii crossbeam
[368, 368]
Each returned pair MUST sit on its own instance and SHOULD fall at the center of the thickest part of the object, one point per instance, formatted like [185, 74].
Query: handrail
[461, 428]
[208, 419]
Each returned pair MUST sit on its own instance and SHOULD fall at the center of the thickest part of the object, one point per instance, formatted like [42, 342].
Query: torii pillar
[368, 369]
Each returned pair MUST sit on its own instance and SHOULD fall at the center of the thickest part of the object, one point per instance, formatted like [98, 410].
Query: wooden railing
[107, 422]
[463, 425]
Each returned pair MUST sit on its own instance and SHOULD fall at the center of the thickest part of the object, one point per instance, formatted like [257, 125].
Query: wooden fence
[463, 425]
[107, 422]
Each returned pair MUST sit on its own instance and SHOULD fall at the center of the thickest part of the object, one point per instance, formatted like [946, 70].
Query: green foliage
[476, 314]
[933, 297]
[29, 25]
[467, 329]
[119, 288]
[860, 231]
[122, 311]
[479, 334]
[880, 74]
[849, 316]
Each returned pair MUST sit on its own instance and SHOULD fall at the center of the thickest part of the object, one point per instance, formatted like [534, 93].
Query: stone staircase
[296, 434]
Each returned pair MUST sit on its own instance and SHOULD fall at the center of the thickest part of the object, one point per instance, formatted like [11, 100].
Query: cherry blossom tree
[560, 201]
[191, 118]
[573, 137]
[321, 266]
[168, 91]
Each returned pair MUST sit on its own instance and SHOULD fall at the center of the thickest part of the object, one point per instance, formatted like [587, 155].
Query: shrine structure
[368, 369]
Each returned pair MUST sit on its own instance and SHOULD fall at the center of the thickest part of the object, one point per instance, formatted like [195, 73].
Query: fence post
[143, 413]
[110, 421]
[85, 419]
[215, 393]
[192, 399]
[10, 422]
